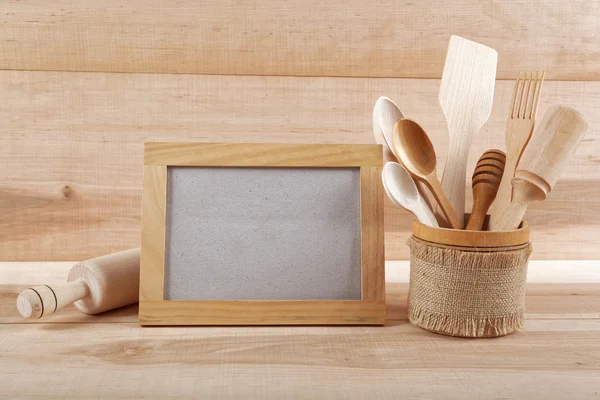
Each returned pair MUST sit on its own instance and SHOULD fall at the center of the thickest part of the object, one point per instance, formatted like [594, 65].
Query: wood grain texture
[154, 211]
[262, 155]
[466, 97]
[554, 359]
[554, 288]
[312, 38]
[476, 239]
[259, 312]
[556, 355]
[71, 149]
[124, 361]
[372, 235]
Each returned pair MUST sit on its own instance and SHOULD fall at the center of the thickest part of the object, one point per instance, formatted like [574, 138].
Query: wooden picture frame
[155, 310]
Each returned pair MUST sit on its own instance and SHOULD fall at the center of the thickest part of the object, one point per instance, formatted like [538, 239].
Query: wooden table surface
[71, 355]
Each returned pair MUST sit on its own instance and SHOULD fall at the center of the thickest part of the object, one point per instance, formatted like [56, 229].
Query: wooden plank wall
[84, 83]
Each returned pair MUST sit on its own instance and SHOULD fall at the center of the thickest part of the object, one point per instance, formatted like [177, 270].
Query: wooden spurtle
[551, 146]
[466, 95]
[486, 181]
[95, 286]
[414, 148]
[519, 127]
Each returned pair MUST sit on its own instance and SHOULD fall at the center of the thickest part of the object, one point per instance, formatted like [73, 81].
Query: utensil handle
[425, 216]
[512, 217]
[454, 177]
[443, 202]
[503, 197]
[43, 300]
[476, 220]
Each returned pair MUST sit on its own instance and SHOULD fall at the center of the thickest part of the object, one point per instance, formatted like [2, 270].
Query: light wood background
[84, 83]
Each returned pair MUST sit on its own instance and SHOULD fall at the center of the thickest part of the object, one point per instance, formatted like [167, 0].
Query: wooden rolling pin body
[552, 145]
[95, 286]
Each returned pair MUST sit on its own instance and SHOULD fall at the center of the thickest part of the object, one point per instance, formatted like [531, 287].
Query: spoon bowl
[385, 115]
[414, 147]
[417, 154]
[402, 191]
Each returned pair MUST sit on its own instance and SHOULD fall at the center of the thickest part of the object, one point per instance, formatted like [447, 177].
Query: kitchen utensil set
[502, 183]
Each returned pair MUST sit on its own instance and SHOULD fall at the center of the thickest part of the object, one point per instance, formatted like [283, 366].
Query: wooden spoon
[385, 115]
[486, 181]
[402, 191]
[416, 152]
[466, 95]
[546, 156]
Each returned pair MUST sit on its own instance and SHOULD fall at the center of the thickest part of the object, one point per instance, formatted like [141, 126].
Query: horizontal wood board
[71, 149]
[556, 355]
[308, 38]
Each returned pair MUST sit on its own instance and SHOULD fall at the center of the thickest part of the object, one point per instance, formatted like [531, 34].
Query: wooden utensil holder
[468, 283]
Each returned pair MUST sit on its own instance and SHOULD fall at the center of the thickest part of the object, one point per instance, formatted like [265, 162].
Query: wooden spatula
[466, 95]
[551, 146]
[486, 181]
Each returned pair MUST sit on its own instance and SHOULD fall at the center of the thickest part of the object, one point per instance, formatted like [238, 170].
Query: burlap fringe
[466, 326]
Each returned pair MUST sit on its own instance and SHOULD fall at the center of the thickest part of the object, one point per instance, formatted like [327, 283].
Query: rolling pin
[95, 286]
[550, 148]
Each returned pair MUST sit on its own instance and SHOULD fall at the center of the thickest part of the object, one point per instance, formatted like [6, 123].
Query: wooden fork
[519, 127]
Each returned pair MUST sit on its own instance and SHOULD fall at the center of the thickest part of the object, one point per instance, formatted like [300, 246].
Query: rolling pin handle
[43, 300]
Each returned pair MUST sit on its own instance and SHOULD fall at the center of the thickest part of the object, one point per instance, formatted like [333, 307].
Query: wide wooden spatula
[466, 95]
[551, 146]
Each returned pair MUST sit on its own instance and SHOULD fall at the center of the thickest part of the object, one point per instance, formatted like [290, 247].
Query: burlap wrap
[466, 293]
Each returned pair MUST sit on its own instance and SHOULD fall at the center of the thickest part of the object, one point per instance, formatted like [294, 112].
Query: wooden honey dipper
[486, 181]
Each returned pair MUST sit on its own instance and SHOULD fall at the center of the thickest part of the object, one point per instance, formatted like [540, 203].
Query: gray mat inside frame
[262, 234]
